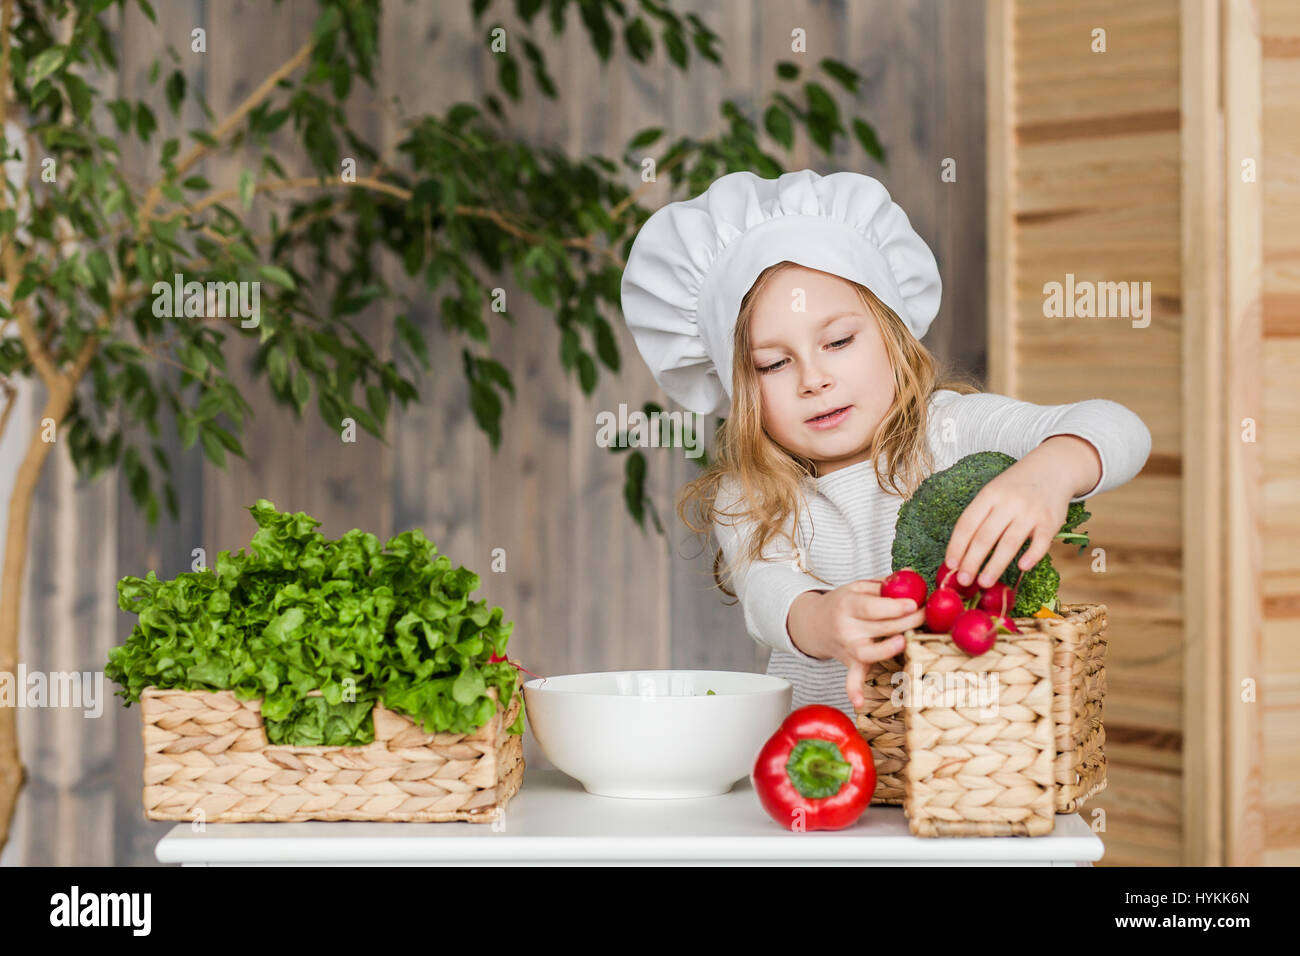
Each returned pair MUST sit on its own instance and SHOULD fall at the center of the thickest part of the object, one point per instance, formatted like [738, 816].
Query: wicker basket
[1066, 654]
[207, 751]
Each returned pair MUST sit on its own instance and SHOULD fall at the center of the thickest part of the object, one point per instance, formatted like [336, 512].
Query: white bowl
[656, 734]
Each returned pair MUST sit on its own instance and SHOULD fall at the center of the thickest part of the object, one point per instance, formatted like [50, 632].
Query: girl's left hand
[1028, 500]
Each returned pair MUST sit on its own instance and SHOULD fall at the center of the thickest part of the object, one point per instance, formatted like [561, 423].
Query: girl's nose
[815, 378]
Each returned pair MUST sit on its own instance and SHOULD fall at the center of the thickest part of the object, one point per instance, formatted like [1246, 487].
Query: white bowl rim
[771, 682]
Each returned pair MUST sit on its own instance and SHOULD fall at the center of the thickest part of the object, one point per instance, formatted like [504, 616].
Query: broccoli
[926, 520]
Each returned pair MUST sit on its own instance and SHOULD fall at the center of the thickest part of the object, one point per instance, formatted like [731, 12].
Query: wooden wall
[1170, 158]
[1084, 155]
[585, 588]
[1279, 431]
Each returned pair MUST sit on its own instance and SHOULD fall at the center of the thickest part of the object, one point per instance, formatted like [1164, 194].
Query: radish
[999, 599]
[1008, 623]
[904, 583]
[946, 577]
[974, 631]
[941, 609]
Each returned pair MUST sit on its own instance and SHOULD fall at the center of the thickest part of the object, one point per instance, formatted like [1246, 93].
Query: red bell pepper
[816, 772]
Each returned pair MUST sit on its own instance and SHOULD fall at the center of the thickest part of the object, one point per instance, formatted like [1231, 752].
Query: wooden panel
[1244, 824]
[1088, 185]
[1278, 447]
[301, 465]
[166, 548]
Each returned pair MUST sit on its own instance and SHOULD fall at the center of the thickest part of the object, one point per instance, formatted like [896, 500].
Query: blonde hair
[769, 476]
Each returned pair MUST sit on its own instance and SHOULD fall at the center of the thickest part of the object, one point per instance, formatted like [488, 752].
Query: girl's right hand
[856, 626]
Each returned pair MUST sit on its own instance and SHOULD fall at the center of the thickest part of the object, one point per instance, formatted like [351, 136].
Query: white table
[552, 820]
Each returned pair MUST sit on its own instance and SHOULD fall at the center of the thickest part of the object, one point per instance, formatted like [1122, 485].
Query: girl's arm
[765, 588]
[1120, 441]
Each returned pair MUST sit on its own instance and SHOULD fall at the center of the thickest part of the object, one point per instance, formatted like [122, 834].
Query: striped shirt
[854, 519]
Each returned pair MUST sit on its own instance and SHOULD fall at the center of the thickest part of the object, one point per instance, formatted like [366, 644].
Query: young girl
[794, 307]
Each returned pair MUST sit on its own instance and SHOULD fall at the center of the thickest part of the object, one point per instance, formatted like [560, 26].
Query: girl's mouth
[830, 419]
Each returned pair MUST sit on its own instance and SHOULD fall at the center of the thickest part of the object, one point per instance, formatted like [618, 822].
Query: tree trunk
[11, 594]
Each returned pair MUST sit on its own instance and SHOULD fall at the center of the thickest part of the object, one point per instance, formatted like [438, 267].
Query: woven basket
[1075, 647]
[206, 757]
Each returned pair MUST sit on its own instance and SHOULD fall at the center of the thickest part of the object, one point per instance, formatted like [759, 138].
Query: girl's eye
[842, 343]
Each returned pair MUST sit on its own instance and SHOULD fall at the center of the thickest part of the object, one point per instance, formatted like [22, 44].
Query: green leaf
[586, 373]
[846, 77]
[570, 345]
[145, 123]
[821, 104]
[778, 125]
[676, 47]
[328, 22]
[469, 685]
[247, 185]
[787, 70]
[175, 91]
[45, 63]
[277, 275]
[598, 26]
[188, 431]
[508, 75]
[121, 111]
[377, 400]
[606, 347]
[639, 40]
[277, 367]
[212, 448]
[301, 389]
[645, 138]
[79, 95]
[866, 135]
[113, 202]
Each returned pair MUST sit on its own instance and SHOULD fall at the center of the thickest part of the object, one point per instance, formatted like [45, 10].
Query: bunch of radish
[974, 616]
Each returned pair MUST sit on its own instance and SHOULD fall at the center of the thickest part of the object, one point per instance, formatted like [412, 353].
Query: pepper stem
[817, 768]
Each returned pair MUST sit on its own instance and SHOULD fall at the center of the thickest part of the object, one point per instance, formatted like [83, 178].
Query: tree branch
[250, 103]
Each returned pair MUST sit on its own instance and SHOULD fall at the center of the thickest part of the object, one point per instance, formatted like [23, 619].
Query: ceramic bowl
[656, 734]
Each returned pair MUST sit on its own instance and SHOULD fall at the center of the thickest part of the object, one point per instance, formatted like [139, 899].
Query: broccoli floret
[1076, 516]
[926, 520]
[1037, 587]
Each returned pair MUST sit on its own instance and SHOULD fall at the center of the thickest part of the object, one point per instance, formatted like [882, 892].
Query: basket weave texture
[206, 756]
[961, 771]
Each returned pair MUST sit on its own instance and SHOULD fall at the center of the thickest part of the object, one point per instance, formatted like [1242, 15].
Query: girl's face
[817, 349]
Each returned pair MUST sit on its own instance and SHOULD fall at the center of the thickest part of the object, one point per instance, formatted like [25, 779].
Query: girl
[794, 307]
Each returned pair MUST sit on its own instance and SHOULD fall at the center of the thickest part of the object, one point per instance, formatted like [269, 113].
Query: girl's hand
[1028, 500]
[854, 625]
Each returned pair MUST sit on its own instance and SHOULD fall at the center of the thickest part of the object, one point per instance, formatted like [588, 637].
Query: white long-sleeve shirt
[854, 519]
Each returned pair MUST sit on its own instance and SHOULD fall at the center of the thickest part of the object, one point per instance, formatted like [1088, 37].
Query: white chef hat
[694, 260]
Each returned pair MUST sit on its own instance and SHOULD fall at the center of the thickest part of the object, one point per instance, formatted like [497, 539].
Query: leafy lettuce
[346, 617]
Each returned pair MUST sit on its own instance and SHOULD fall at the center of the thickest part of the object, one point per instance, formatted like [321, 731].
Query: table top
[552, 819]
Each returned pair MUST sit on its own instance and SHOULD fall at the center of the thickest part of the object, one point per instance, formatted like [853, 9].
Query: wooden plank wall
[1084, 179]
[585, 588]
[1279, 431]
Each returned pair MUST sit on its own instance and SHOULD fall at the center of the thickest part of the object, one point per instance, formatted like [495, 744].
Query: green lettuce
[349, 618]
